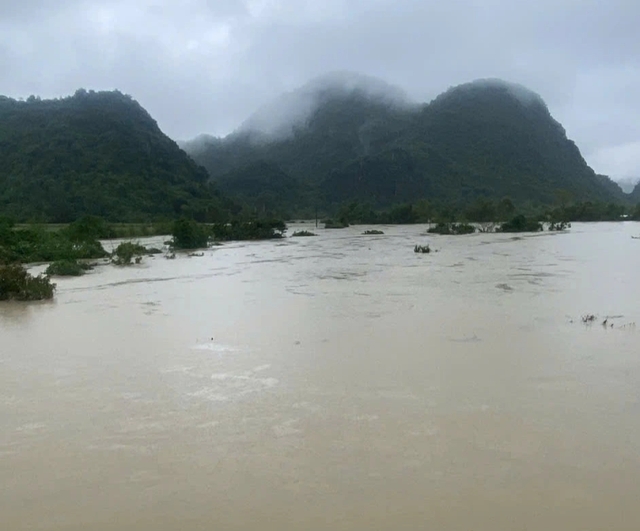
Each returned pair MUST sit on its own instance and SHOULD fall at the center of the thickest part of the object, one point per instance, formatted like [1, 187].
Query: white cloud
[206, 65]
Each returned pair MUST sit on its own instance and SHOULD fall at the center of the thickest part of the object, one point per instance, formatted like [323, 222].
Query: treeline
[483, 210]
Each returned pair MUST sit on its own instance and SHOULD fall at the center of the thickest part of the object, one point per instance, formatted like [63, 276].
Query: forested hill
[95, 153]
[483, 139]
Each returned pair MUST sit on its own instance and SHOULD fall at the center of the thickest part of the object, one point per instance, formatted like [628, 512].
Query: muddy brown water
[340, 382]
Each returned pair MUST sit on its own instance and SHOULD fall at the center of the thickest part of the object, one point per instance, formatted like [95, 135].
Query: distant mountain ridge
[488, 138]
[95, 153]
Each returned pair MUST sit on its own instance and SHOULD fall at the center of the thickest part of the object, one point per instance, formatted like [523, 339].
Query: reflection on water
[340, 382]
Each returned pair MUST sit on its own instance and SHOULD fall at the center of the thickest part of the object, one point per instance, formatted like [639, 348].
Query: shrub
[452, 228]
[249, 230]
[521, 224]
[126, 252]
[17, 284]
[303, 233]
[66, 268]
[188, 234]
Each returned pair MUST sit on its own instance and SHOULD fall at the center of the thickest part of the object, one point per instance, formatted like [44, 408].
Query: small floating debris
[422, 249]
[504, 287]
[372, 232]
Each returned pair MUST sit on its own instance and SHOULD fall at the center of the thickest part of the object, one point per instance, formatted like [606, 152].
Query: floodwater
[340, 382]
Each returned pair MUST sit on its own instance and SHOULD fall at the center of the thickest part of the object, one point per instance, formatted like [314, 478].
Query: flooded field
[338, 382]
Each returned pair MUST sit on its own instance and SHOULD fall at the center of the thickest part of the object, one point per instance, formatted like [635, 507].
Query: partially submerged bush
[521, 223]
[188, 234]
[303, 233]
[17, 284]
[127, 252]
[261, 229]
[556, 226]
[425, 249]
[67, 268]
[452, 228]
[372, 232]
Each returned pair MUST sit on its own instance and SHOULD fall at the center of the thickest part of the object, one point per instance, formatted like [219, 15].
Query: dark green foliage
[452, 228]
[67, 268]
[249, 230]
[335, 224]
[89, 228]
[127, 252]
[588, 211]
[17, 284]
[470, 147]
[557, 226]
[35, 244]
[424, 249]
[303, 233]
[372, 232]
[521, 223]
[96, 153]
[188, 234]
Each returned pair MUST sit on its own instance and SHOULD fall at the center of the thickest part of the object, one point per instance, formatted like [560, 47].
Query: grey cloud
[203, 66]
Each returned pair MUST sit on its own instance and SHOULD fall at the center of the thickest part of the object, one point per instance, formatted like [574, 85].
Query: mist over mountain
[350, 138]
[95, 153]
[627, 184]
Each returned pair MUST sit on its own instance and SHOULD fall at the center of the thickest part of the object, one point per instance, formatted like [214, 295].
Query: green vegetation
[557, 226]
[372, 232]
[36, 244]
[67, 268]
[479, 141]
[303, 233]
[97, 153]
[521, 223]
[128, 252]
[17, 284]
[452, 228]
[335, 224]
[261, 229]
[187, 234]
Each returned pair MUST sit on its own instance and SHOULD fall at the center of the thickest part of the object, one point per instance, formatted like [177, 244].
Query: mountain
[345, 138]
[95, 153]
[634, 196]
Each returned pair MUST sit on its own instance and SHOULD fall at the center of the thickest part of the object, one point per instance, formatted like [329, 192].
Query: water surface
[340, 382]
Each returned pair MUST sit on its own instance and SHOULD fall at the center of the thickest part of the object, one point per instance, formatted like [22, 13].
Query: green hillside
[483, 139]
[96, 153]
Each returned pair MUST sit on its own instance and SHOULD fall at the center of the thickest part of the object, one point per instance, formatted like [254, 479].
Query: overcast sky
[204, 65]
